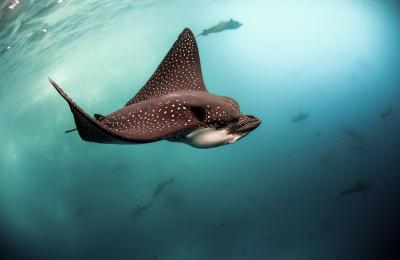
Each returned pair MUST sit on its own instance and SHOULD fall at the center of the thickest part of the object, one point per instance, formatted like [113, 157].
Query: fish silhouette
[221, 26]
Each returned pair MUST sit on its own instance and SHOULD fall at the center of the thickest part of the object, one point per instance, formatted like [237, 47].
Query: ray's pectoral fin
[88, 128]
[179, 70]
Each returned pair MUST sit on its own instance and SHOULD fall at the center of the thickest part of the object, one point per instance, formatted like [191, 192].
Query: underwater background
[319, 179]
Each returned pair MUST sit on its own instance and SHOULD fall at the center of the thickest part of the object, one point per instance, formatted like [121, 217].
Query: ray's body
[173, 105]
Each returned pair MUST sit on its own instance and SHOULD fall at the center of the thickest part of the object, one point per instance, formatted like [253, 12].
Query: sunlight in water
[316, 180]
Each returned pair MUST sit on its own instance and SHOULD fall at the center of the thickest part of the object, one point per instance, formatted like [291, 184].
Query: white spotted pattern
[180, 70]
[173, 100]
[163, 116]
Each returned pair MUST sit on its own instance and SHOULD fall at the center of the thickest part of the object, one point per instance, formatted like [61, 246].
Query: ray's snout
[252, 123]
[245, 124]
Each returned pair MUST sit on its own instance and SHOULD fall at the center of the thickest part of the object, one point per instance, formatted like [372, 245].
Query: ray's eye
[199, 113]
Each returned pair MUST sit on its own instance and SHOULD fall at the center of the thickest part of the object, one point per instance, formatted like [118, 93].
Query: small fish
[387, 113]
[327, 157]
[324, 226]
[141, 209]
[221, 26]
[223, 224]
[160, 187]
[354, 135]
[82, 211]
[357, 187]
[244, 251]
[359, 148]
[300, 117]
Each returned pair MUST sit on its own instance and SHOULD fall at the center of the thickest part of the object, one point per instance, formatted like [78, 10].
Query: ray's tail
[71, 130]
[89, 129]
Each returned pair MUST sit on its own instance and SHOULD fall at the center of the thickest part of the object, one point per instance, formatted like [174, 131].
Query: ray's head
[224, 113]
[238, 125]
[221, 123]
[242, 127]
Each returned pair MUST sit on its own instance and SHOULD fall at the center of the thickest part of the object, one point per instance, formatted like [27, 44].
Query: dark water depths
[323, 187]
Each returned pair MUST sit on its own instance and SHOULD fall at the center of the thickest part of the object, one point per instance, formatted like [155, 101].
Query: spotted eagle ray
[173, 105]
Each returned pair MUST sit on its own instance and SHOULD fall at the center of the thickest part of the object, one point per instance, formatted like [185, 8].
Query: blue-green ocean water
[271, 195]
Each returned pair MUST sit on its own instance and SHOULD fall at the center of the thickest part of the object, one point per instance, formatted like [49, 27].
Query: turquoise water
[271, 195]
